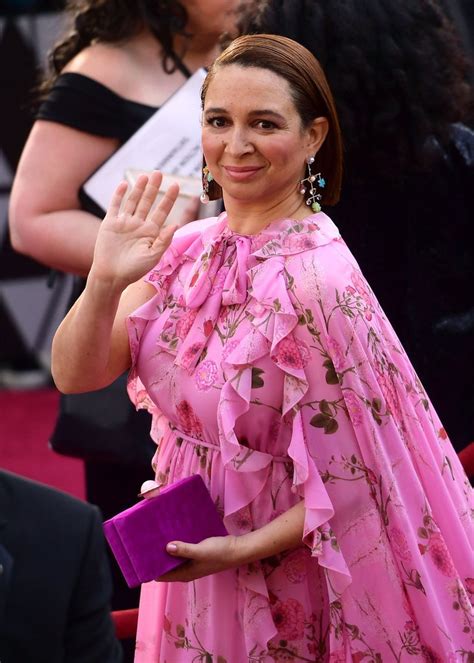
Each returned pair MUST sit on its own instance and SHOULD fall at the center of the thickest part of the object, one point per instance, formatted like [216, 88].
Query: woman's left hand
[218, 553]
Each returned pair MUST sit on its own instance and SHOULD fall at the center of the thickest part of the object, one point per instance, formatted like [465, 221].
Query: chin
[244, 190]
[244, 197]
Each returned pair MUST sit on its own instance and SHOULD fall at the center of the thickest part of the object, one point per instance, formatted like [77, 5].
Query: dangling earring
[314, 197]
[206, 178]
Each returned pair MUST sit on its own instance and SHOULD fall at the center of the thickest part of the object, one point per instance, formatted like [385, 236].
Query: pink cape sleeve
[387, 501]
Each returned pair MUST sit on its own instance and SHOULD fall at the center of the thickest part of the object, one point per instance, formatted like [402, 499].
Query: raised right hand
[131, 238]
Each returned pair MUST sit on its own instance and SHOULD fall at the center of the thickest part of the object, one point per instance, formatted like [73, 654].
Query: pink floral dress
[270, 369]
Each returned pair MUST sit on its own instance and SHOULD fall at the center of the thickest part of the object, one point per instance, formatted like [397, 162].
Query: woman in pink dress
[271, 371]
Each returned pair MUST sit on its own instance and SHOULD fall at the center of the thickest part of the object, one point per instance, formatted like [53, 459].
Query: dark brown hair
[114, 21]
[309, 89]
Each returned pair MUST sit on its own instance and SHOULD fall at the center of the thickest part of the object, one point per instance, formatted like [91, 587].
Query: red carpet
[26, 421]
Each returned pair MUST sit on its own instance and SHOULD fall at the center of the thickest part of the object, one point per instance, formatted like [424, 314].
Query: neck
[249, 218]
[199, 51]
[206, 27]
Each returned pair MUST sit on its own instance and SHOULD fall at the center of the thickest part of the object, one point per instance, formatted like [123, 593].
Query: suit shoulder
[39, 498]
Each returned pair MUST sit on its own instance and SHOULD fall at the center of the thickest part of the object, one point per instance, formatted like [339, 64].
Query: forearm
[227, 552]
[283, 533]
[82, 345]
[63, 240]
[90, 348]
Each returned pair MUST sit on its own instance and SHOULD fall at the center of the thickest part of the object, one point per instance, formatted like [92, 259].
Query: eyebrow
[264, 111]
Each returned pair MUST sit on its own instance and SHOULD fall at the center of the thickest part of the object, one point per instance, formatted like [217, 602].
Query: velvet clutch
[183, 511]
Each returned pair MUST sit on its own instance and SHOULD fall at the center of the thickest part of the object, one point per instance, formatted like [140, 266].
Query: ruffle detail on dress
[226, 268]
[257, 615]
[247, 469]
[276, 330]
[136, 390]
[247, 474]
[159, 278]
[216, 276]
[274, 319]
[289, 237]
[319, 511]
[155, 307]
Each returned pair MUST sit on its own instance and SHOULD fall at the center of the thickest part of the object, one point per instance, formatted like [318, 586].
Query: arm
[226, 552]
[282, 533]
[46, 221]
[90, 348]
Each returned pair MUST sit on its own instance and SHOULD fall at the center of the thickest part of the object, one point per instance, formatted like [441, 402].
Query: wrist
[247, 549]
[236, 551]
[105, 285]
[283, 533]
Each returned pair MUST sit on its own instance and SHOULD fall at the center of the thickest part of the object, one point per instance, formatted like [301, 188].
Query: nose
[237, 142]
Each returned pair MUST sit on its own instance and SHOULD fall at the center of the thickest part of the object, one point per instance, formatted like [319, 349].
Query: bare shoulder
[131, 68]
[109, 64]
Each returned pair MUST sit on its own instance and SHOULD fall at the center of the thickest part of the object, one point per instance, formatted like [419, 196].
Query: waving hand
[132, 237]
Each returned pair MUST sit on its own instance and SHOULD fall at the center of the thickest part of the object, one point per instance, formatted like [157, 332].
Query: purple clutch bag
[183, 511]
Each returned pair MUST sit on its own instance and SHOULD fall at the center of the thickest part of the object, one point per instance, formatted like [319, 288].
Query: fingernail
[149, 489]
[171, 547]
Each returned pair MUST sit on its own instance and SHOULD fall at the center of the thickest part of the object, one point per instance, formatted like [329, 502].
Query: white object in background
[189, 188]
[170, 141]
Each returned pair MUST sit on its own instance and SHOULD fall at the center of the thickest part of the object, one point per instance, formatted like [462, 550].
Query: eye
[217, 121]
[266, 125]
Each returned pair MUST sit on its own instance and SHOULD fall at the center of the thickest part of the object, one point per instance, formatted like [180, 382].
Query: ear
[317, 132]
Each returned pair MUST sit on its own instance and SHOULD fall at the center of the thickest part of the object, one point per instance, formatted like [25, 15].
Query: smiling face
[253, 140]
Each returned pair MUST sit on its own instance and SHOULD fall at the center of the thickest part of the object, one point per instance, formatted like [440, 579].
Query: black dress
[82, 103]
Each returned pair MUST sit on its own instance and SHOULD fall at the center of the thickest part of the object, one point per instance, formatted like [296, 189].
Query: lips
[240, 173]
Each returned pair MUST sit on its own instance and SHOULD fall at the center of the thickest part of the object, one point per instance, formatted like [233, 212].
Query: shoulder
[45, 502]
[324, 276]
[107, 64]
[316, 250]
[305, 260]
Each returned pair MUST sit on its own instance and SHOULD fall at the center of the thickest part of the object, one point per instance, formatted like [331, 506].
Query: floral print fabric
[270, 369]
